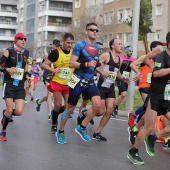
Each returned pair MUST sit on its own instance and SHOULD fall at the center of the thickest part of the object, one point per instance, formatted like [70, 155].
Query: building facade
[43, 21]
[8, 23]
[110, 14]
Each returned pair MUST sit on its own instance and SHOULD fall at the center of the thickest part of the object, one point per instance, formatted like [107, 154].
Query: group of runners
[71, 71]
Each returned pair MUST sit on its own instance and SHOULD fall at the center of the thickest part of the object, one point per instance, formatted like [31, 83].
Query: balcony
[9, 25]
[8, 14]
[6, 37]
[60, 9]
[61, 12]
[6, 10]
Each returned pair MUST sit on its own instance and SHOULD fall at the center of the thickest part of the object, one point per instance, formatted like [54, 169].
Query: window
[77, 3]
[158, 9]
[124, 14]
[108, 18]
[127, 39]
[59, 5]
[40, 21]
[106, 40]
[94, 2]
[120, 36]
[127, 13]
[107, 1]
[77, 22]
[158, 35]
[120, 15]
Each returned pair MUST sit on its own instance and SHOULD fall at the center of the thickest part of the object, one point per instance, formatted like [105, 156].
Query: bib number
[73, 81]
[111, 78]
[126, 74]
[167, 92]
[65, 73]
[18, 75]
[149, 75]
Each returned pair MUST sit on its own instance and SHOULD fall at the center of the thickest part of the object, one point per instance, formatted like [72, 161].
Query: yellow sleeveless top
[63, 63]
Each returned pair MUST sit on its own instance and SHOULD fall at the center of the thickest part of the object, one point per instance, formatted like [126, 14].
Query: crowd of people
[86, 71]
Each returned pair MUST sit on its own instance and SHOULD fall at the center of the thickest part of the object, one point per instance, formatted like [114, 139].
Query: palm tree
[145, 21]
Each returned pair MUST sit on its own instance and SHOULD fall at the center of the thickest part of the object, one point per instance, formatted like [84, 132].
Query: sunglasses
[22, 38]
[91, 29]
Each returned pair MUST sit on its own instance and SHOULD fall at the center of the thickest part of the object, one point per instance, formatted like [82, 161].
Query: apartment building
[110, 14]
[43, 21]
[8, 23]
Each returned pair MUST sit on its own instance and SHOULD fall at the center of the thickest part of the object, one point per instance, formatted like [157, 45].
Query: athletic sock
[5, 122]
[82, 127]
[134, 129]
[61, 131]
[166, 139]
[152, 137]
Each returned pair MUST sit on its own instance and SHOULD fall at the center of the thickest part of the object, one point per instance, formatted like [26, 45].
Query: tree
[145, 22]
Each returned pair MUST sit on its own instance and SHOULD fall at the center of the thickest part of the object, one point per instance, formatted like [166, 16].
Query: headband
[128, 49]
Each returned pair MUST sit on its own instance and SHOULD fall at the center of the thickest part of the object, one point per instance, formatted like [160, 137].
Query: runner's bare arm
[152, 55]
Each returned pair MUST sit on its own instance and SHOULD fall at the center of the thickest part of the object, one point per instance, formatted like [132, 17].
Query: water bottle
[96, 59]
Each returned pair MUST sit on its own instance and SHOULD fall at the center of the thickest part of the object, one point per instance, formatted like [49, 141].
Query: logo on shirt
[158, 64]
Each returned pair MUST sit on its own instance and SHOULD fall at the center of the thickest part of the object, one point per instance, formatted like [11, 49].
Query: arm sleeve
[53, 56]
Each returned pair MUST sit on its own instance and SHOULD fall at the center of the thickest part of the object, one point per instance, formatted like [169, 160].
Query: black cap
[56, 42]
[168, 37]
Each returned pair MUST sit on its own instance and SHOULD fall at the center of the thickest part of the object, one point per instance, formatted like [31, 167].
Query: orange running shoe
[3, 136]
[131, 119]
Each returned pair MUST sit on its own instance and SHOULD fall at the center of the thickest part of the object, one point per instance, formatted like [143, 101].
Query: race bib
[149, 75]
[18, 75]
[126, 74]
[65, 73]
[73, 81]
[111, 78]
[167, 92]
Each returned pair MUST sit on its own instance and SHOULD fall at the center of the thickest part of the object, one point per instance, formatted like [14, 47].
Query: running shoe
[135, 159]
[166, 145]
[3, 136]
[132, 135]
[99, 137]
[11, 119]
[115, 110]
[149, 146]
[131, 119]
[53, 129]
[26, 101]
[49, 117]
[92, 122]
[37, 105]
[71, 114]
[32, 98]
[60, 138]
[81, 116]
[83, 133]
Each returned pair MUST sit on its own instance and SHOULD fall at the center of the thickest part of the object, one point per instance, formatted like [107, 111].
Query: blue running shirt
[85, 53]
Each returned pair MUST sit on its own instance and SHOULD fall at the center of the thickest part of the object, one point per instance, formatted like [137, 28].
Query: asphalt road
[30, 145]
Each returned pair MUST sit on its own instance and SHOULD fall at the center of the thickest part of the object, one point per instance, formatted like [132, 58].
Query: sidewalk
[120, 112]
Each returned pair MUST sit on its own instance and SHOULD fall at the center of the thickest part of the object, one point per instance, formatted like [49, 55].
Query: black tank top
[112, 67]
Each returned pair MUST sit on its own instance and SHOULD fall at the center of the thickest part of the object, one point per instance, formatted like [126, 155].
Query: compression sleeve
[3, 60]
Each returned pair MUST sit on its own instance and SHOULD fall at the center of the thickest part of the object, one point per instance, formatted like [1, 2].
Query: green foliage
[145, 21]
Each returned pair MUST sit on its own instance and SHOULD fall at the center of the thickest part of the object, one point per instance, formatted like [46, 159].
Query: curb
[122, 113]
